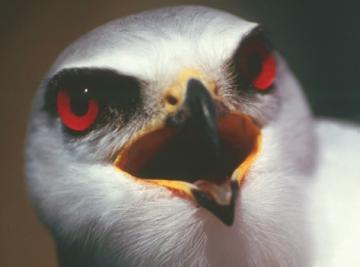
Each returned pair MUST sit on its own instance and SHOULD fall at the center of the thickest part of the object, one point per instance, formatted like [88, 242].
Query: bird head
[174, 136]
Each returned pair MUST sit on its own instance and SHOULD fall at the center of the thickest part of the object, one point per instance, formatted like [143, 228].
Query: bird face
[175, 137]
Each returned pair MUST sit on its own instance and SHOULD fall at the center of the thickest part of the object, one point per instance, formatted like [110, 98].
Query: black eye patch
[254, 63]
[84, 98]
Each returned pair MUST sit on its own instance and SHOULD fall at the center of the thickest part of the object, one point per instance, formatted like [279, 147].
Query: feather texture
[100, 217]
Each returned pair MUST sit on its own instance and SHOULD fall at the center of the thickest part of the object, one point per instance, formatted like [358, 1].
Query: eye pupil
[79, 107]
[79, 102]
[253, 63]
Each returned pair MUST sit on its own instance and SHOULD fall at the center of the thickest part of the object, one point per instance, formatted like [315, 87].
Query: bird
[179, 136]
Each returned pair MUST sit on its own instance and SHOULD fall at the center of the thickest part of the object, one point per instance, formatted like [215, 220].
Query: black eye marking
[86, 98]
[254, 63]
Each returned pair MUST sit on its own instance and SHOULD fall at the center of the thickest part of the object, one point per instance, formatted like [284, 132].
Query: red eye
[257, 64]
[77, 111]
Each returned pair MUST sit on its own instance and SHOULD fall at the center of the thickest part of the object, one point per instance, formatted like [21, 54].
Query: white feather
[110, 220]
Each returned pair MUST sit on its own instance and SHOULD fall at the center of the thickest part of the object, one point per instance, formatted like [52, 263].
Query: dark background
[320, 39]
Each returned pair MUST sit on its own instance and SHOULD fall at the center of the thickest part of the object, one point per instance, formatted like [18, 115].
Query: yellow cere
[177, 89]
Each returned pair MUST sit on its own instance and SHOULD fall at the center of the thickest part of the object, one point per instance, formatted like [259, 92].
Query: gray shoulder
[333, 132]
[339, 144]
[338, 174]
[335, 195]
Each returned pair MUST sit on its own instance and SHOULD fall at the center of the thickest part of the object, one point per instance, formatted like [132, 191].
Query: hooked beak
[200, 150]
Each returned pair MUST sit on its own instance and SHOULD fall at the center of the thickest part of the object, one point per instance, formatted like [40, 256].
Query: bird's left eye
[256, 63]
[76, 109]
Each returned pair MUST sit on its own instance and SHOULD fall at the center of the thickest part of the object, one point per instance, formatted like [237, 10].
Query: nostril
[172, 100]
[216, 90]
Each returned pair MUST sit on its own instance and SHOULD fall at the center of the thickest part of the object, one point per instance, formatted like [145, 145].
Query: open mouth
[182, 155]
[197, 153]
[171, 154]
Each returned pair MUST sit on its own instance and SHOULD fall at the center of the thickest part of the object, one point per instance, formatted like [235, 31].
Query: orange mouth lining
[165, 155]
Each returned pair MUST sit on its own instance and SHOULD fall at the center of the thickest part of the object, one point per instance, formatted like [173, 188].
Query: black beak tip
[225, 213]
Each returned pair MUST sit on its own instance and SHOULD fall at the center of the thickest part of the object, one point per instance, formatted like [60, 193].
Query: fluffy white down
[109, 220]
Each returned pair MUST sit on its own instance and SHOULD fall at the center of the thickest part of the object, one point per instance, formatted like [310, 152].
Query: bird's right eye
[86, 99]
[77, 110]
